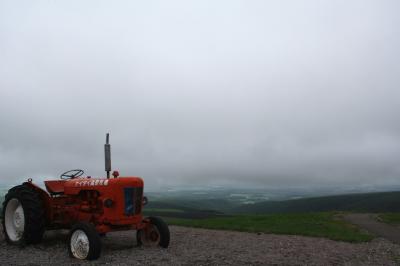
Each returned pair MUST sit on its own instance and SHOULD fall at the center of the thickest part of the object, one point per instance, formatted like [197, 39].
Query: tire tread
[33, 211]
[162, 228]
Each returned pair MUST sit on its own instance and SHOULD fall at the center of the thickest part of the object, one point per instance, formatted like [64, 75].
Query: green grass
[390, 218]
[306, 224]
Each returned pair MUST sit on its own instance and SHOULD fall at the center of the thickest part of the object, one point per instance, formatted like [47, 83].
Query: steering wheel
[71, 174]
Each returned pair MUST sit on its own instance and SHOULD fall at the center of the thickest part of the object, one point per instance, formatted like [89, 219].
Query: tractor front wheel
[156, 233]
[84, 242]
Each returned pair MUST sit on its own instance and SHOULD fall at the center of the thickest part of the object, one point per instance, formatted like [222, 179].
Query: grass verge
[306, 224]
[390, 218]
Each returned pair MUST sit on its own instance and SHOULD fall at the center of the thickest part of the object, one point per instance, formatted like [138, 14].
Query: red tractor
[88, 207]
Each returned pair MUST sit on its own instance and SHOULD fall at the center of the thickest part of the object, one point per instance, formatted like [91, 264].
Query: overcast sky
[262, 93]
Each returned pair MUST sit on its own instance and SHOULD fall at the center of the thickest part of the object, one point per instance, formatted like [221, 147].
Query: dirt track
[209, 247]
[370, 223]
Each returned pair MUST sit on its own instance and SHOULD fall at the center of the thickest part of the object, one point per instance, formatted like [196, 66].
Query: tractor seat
[55, 187]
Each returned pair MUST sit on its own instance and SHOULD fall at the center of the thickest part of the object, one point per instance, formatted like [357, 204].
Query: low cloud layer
[259, 93]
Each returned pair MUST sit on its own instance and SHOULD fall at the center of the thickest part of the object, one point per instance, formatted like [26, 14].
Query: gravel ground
[191, 246]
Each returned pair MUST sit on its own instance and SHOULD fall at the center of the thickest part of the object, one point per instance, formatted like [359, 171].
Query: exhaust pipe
[107, 155]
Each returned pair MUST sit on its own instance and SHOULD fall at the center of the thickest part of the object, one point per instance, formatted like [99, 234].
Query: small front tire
[84, 242]
[155, 234]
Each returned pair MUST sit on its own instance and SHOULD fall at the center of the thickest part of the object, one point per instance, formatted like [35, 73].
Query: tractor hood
[74, 186]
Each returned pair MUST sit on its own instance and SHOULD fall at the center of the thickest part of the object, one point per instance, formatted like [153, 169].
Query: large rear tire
[156, 234]
[23, 216]
[84, 242]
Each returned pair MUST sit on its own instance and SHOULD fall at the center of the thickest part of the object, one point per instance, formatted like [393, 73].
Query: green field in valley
[390, 218]
[378, 202]
[164, 210]
[326, 225]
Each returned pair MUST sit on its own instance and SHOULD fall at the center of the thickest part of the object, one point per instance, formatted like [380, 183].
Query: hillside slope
[365, 202]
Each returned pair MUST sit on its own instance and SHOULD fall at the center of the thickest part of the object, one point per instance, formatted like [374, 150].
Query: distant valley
[206, 204]
[218, 201]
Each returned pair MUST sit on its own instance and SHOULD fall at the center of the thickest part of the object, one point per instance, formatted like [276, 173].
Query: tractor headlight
[108, 203]
[145, 200]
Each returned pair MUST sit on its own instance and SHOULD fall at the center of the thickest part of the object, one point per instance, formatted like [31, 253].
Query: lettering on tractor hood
[93, 182]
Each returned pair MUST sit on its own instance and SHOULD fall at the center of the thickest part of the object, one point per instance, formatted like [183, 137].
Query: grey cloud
[202, 92]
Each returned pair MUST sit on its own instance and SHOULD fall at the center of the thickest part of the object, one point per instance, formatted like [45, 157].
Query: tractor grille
[133, 200]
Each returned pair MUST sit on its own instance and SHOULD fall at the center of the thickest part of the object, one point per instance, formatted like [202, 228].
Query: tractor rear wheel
[23, 216]
[155, 234]
[84, 242]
